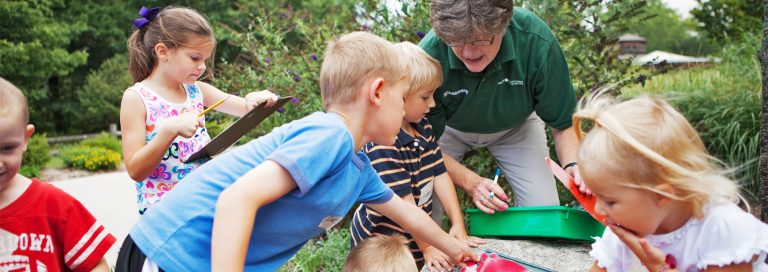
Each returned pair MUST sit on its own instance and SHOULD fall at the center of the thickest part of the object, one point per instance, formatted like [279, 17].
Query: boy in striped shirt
[413, 167]
[42, 228]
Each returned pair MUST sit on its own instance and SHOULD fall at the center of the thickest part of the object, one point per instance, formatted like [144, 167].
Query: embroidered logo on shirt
[511, 82]
[329, 221]
[457, 92]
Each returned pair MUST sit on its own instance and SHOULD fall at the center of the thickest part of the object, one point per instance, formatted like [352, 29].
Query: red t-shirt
[46, 229]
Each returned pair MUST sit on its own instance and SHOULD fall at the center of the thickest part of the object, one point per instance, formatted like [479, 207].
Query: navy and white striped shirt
[408, 168]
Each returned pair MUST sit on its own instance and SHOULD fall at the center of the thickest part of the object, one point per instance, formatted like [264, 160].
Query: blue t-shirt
[318, 153]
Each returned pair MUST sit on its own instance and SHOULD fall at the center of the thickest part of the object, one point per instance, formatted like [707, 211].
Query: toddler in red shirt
[42, 228]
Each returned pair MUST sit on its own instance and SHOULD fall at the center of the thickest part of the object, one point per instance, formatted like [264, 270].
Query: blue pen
[496, 178]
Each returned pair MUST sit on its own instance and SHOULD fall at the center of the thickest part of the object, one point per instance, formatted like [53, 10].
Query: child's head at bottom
[381, 253]
[15, 130]
[363, 74]
[645, 162]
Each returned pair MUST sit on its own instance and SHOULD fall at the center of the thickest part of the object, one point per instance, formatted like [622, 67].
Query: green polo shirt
[529, 74]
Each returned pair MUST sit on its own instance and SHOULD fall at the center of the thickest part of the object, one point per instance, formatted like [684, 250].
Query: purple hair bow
[147, 15]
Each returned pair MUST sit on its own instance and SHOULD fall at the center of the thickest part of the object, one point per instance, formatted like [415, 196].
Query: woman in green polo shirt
[505, 77]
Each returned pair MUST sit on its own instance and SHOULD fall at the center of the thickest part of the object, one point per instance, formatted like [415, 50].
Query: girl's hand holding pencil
[184, 125]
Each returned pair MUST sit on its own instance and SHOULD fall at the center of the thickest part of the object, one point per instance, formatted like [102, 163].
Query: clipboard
[491, 260]
[234, 132]
[586, 201]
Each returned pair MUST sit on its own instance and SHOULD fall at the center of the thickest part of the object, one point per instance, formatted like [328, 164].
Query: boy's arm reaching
[236, 209]
[416, 222]
[446, 194]
[433, 258]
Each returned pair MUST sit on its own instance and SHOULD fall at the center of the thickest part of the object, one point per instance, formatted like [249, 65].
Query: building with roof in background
[633, 46]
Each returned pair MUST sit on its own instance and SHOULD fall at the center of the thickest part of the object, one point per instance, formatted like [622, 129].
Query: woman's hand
[487, 202]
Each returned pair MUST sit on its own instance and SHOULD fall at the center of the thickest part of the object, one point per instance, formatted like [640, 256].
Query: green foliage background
[724, 20]
[69, 58]
[675, 36]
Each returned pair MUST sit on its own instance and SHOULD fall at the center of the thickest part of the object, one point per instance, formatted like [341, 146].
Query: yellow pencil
[212, 106]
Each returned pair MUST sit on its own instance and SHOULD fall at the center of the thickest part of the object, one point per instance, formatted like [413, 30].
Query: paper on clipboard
[493, 261]
[234, 132]
[586, 201]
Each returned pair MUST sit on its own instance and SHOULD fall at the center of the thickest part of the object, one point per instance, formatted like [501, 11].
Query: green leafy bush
[36, 156]
[100, 96]
[30, 171]
[106, 141]
[215, 127]
[281, 47]
[89, 158]
[321, 254]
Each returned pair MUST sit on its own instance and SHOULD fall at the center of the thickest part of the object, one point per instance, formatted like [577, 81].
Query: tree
[764, 127]
[49, 47]
[588, 32]
[721, 19]
[675, 35]
[34, 50]
[100, 96]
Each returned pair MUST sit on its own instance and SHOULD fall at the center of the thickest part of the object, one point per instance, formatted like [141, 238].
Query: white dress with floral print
[171, 169]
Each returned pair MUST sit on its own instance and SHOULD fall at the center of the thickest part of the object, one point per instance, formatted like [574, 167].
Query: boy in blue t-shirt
[254, 207]
[413, 167]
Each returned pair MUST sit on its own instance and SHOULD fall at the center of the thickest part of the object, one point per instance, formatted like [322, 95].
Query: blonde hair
[352, 59]
[173, 26]
[381, 253]
[425, 71]
[644, 142]
[13, 103]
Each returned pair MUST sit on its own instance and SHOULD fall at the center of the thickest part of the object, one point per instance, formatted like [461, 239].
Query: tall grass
[723, 103]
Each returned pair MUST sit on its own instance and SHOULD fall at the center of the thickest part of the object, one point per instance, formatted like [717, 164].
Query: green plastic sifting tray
[540, 221]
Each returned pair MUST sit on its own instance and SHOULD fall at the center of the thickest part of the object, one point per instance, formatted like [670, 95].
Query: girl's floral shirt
[171, 169]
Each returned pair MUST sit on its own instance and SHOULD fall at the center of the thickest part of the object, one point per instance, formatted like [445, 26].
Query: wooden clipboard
[234, 132]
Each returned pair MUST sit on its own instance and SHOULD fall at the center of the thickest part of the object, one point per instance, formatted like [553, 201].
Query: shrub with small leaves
[326, 253]
[106, 141]
[216, 127]
[36, 156]
[89, 158]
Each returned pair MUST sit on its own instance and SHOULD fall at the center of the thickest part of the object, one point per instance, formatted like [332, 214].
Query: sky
[682, 7]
